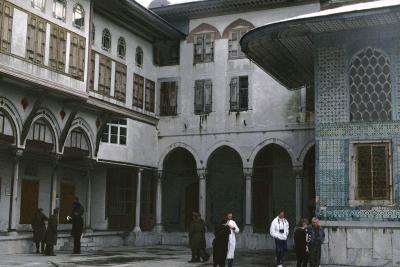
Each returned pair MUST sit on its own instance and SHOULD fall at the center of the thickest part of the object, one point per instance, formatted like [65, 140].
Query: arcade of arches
[253, 195]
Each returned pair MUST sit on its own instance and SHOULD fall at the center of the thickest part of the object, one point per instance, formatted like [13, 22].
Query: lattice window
[139, 57]
[36, 39]
[6, 18]
[106, 40]
[77, 56]
[78, 17]
[202, 97]
[239, 88]
[121, 49]
[138, 88]
[120, 82]
[58, 45]
[59, 7]
[168, 98]
[150, 95]
[203, 48]
[372, 166]
[370, 86]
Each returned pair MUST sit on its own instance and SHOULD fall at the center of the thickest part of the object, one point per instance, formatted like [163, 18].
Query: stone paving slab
[155, 256]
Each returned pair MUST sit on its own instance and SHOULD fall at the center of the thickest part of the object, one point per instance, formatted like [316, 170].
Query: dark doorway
[309, 184]
[191, 202]
[29, 200]
[67, 197]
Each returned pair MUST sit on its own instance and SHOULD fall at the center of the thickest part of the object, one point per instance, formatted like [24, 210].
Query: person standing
[232, 238]
[39, 230]
[279, 230]
[76, 205]
[300, 243]
[77, 229]
[220, 243]
[197, 239]
[51, 234]
[317, 237]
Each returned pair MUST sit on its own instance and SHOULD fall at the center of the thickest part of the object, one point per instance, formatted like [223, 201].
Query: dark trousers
[219, 264]
[302, 260]
[49, 251]
[198, 253]
[77, 243]
[230, 262]
[39, 247]
[280, 249]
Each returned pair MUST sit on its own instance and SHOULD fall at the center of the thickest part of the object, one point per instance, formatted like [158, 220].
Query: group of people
[224, 242]
[45, 238]
[308, 240]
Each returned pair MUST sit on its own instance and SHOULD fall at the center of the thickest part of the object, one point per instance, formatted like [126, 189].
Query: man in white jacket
[232, 238]
[279, 230]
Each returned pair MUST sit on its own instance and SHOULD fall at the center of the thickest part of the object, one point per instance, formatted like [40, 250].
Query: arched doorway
[180, 190]
[309, 184]
[225, 186]
[274, 187]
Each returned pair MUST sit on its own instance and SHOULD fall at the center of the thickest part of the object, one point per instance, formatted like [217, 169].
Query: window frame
[203, 57]
[354, 201]
[64, 8]
[139, 86]
[168, 106]
[107, 132]
[206, 108]
[106, 34]
[82, 12]
[240, 54]
[139, 55]
[34, 4]
[239, 95]
[121, 47]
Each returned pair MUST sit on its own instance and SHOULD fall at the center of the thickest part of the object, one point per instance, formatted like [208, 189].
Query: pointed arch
[173, 147]
[260, 146]
[304, 152]
[219, 144]
[204, 27]
[235, 24]
[9, 110]
[80, 123]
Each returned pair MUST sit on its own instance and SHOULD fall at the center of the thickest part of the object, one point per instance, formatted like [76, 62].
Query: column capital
[248, 173]
[202, 173]
[159, 174]
[18, 152]
[298, 170]
[140, 169]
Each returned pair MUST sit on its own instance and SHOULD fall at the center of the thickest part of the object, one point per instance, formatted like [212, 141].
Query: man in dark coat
[77, 229]
[300, 243]
[316, 236]
[197, 239]
[76, 205]
[39, 230]
[51, 234]
[220, 243]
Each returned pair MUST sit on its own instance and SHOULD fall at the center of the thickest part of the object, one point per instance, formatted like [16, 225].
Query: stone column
[202, 173]
[89, 200]
[248, 174]
[138, 201]
[13, 218]
[298, 170]
[54, 186]
[158, 225]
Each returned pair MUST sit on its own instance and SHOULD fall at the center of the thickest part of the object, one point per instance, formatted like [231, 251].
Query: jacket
[279, 224]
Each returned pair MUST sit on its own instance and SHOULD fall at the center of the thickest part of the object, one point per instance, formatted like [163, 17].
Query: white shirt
[279, 224]
[232, 239]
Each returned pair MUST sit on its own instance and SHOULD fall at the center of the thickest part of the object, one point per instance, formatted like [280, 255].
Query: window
[372, 171]
[202, 97]
[138, 87]
[239, 93]
[58, 45]
[166, 53]
[39, 131]
[36, 39]
[104, 75]
[106, 40]
[370, 86]
[38, 4]
[150, 95]
[121, 47]
[115, 132]
[120, 82]
[168, 98]
[78, 17]
[139, 57]
[91, 70]
[6, 13]
[93, 33]
[77, 56]
[78, 140]
[59, 7]
[203, 48]
[235, 51]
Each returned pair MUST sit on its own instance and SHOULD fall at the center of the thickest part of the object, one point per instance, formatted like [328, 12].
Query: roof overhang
[285, 49]
[138, 19]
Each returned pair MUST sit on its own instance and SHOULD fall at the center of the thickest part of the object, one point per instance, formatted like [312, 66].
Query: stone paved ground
[160, 256]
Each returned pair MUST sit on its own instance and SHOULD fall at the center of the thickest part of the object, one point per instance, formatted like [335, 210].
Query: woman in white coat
[232, 238]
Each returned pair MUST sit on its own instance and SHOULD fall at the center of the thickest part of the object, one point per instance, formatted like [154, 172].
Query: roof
[285, 48]
[207, 8]
[138, 19]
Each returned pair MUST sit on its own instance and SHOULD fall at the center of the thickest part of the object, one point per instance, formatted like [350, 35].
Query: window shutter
[7, 18]
[120, 82]
[164, 97]
[108, 76]
[209, 47]
[81, 57]
[92, 66]
[208, 96]
[173, 89]
[233, 44]
[73, 56]
[53, 47]
[152, 95]
[62, 49]
[243, 93]
[102, 75]
[30, 45]
[198, 96]
[234, 101]
[40, 41]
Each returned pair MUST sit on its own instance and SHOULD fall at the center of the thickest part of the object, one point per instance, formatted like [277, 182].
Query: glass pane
[114, 139]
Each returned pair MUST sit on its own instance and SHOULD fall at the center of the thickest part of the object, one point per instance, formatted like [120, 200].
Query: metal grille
[370, 86]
